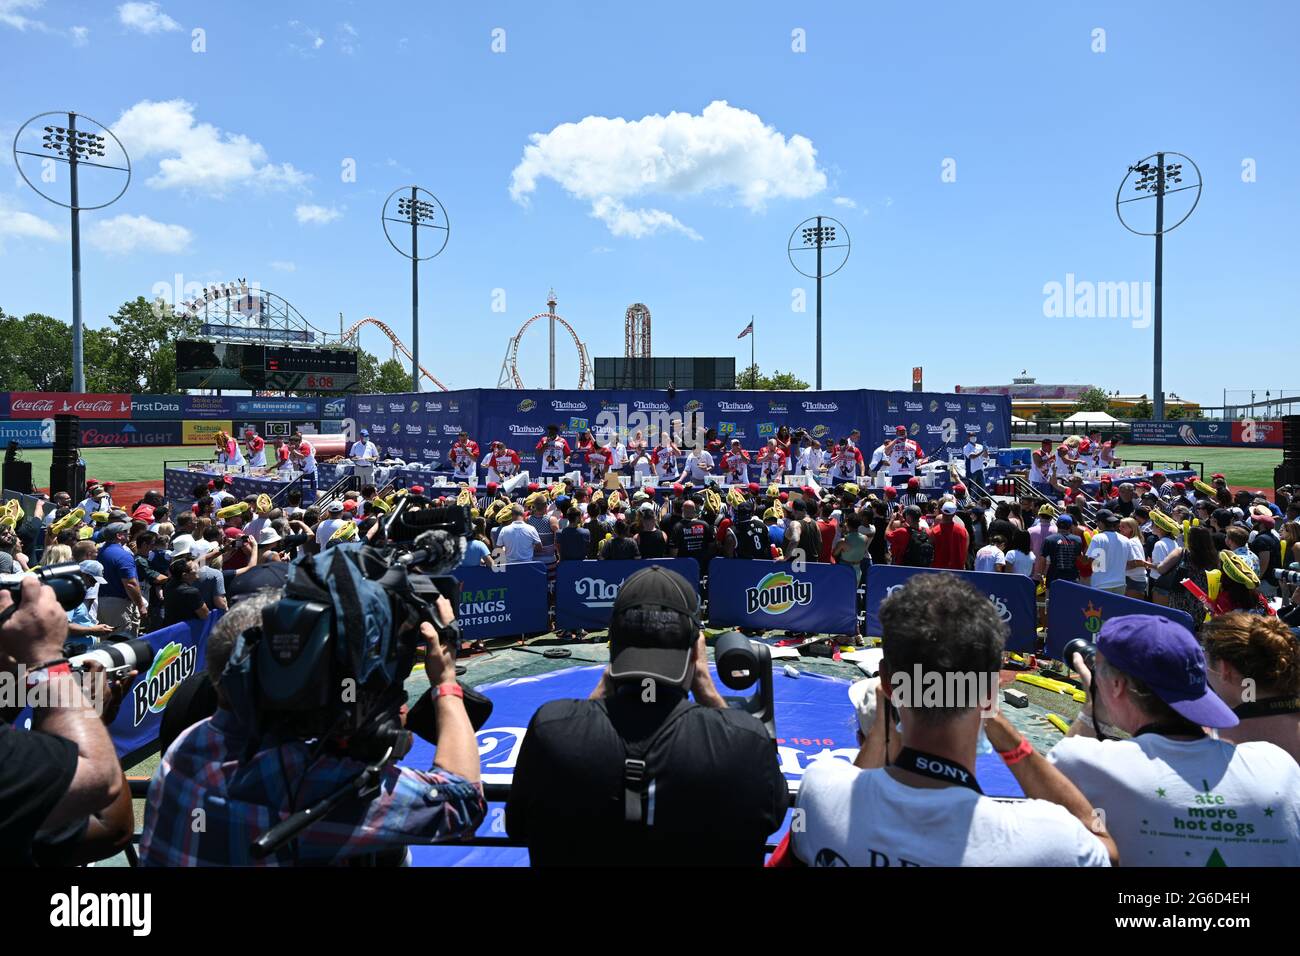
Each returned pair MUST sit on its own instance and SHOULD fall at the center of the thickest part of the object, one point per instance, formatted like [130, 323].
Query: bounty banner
[510, 599]
[772, 595]
[1075, 610]
[1012, 596]
[585, 590]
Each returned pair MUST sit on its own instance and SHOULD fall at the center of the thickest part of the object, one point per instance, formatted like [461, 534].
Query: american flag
[748, 330]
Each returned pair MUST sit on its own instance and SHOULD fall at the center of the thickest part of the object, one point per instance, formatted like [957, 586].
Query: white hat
[267, 535]
[950, 507]
[336, 507]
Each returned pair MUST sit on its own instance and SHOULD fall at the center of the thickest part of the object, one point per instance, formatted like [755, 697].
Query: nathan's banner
[818, 599]
[510, 599]
[1012, 596]
[1074, 610]
[938, 421]
[203, 433]
[585, 590]
[49, 404]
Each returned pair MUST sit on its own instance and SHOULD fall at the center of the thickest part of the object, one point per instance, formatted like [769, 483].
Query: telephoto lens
[132, 655]
[65, 579]
[1086, 649]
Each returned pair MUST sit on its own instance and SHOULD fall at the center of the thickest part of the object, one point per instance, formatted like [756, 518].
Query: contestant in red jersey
[501, 462]
[554, 451]
[735, 464]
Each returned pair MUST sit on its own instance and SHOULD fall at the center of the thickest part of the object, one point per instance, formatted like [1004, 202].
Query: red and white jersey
[256, 451]
[903, 456]
[1106, 455]
[598, 462]
[771, 465]
[1061, 465]
[464, 459]
[664, 461]
[501, 464]
[846, 463]
[554, 453]
[735, 465]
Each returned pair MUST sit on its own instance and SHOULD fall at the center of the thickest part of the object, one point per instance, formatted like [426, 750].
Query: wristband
[46, 672]
[1019, 753]
[451, 690]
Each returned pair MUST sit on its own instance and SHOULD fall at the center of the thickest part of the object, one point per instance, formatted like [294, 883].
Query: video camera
[64, 579]
[742, 663]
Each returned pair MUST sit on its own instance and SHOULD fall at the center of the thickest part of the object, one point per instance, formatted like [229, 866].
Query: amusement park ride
[510, 368]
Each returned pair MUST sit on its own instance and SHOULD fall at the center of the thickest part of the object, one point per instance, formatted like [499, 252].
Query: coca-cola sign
[47, 404]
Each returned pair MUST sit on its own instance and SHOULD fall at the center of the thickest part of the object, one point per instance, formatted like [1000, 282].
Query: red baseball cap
[110, 484]
[533, 486]
[233, 532]
[753, 487]
[349, 505]
[785, 496]
[1179, 486]
[960, 489]
[678, 488]
[890, 491]
[1217, 475]
[900, 429]
[417, 489]
[914, 482]
[649, 490]
[1157, 474]
[492, 486]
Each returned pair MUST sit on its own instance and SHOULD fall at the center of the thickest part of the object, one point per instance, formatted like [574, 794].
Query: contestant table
[179, 483]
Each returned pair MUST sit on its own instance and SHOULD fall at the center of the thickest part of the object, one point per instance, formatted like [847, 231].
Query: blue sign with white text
[1012, 596]
[772, 595]
[585, 590]
[495, 602]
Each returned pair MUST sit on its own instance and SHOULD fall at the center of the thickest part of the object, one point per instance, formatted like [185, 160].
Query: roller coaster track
[398, 345]
[510, 377]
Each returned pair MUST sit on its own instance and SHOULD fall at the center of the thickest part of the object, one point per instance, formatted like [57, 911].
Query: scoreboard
[243, 365]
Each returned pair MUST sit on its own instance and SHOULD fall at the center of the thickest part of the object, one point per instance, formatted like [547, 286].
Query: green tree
[1142, 410]
[144, 338]
[1045, 413]
[749, 378]
[367, 373]
[1092, 400]
[753, 378]
[39, 353]
[392, 377]
[1174, 412]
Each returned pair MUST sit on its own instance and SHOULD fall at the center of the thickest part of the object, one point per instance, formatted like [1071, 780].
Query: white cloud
[845, 201]
[316, 215]
[198, 156]
[125, 234]
[80, 36]
[146, 18]
[16, 224]
[347, 37]
[609, 160]
[280, 265]
[12, 14]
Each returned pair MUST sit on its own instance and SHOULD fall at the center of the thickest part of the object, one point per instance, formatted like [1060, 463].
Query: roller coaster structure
[510, 369]
[398, 345]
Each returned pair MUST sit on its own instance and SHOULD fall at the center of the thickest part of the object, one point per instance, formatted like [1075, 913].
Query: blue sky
[239, 152]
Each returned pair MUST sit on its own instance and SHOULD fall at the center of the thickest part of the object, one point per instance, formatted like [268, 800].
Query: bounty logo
[777, 593]
[915, 429]
[396, 429]
[415, 405]
[934, 406]
[527, 405]
[820, 431]
[170, 666]
[692, 406]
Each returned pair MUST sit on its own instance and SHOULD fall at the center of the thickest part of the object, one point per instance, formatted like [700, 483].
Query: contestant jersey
[903, 457]
[771, 466]
[257, 451]
[554, 452]
[736, 467]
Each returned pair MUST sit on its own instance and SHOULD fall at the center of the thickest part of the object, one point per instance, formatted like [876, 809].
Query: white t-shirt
[1161, 550]
[1021, 562]
[517, 540]
[976, 451]
[1136, 576]
[867, 818]
[1110, 554]
[990, 558]
[1190, 802]
[363, 449]
[325, 530]
[698, 465]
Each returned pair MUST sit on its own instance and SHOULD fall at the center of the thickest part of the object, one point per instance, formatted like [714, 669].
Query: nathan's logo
[692, 407]
[820, 406]
[433, 406]
[934, 405]
[527, 430]
[777, 593]
[378, 430]
[363, 407]
[396, 407]
[560, 406]
[527, 405]
[415, 429]
[451, 430]
[1092, 619]
[595, 592]
[431, 454]
[988, 407]
[651, 406]
[735, 406]
[170, 666]
[952, 406]
[911, 406]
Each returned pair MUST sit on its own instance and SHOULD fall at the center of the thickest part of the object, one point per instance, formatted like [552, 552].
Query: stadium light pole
[74, 148]
[417, 214]
[816, 235]
[1154, 178]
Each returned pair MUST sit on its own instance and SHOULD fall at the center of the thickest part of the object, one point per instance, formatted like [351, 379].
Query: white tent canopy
[1092, 418]
[1019, 421]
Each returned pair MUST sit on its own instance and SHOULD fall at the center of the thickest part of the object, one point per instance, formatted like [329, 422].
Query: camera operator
[64, 773]
[924, 807]
[638, 774]
[1174, 795]
[208, 768]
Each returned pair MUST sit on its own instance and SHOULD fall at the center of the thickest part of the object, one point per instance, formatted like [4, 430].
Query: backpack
[920, 549]
[637, 778]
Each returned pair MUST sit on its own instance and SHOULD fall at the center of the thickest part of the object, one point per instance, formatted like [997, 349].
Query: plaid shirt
[241, 800]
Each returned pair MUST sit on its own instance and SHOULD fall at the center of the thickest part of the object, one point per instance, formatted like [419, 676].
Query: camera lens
[1086, 649]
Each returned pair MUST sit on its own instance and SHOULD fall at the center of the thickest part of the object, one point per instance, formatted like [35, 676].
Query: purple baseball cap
[1166, 657]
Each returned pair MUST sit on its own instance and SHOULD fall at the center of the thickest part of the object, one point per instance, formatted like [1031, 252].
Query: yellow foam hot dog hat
[1165, 523]
[614, 499]
[229, 511]
[774, 491]
[1203, 488]
[735, 497]
[772, 513]
[1236, 567]
[381, 505]
[264, 504]
[505, 516]
[345, 532]
[851, 488]
[713, 500]
[99, 517]
[557, 489]
[85, 532]
[466, 497]
[597, 495]
[69, 520]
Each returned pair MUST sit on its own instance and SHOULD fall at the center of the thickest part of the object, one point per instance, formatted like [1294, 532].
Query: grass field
[1243, 467]
[119, 464]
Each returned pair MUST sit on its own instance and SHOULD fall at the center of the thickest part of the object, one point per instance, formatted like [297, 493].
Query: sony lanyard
[937, 768]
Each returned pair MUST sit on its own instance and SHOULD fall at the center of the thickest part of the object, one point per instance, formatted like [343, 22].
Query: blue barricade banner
[510, 599]
[820, 599]
[37, 433]
[1012, 596]
[179, 651]
[585, 590]
[1076, 610]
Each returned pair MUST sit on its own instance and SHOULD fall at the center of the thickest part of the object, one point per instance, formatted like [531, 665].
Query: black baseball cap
[654, 627]
[1106, 516]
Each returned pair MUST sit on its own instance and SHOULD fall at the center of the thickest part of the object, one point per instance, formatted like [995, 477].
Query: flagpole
[752, 336]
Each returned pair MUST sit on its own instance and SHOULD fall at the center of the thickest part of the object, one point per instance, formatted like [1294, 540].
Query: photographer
[245, 786]
[65, 770]
[638, 774]
[924, 807]
[1173, 795]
